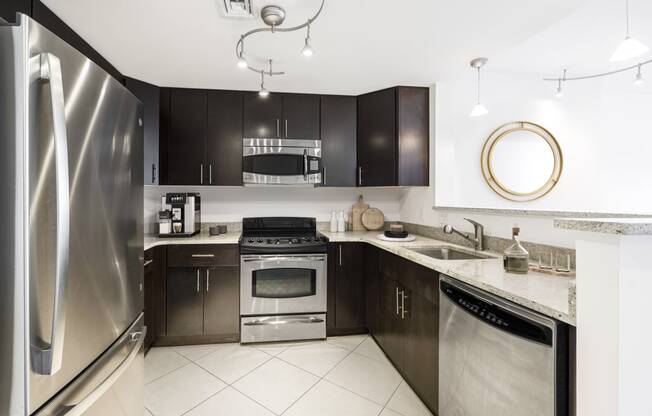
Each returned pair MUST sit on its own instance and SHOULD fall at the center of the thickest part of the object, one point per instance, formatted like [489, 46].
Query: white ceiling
[362, 45]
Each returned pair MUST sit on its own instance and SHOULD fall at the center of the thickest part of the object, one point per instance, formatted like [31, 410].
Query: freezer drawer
[112, 386]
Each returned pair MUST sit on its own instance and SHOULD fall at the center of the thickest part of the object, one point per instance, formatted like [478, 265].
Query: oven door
[269, 163]
[281, 284]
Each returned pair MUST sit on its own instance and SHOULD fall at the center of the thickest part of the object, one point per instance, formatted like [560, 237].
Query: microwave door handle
[48, 358]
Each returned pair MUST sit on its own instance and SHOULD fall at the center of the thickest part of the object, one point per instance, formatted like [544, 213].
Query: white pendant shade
[628, 49]
[478, 110]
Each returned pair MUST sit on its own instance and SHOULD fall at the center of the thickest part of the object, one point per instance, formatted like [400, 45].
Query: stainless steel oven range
[281, 162]
[283, 271]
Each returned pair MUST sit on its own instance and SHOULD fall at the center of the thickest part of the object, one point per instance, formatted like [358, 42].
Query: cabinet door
[300, 116]
[349, 286]
[377, 138]
[422, 348]
[186, 146]
[222, 301]
[224, 138]
[373, 285]
[185, 306]
[149, 95]
[338, 140]
[413, 132]
[9, 8]
[393, 339]
[262, 116]
[149, 294]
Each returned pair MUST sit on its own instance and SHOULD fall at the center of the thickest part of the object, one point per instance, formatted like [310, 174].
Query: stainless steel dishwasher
[497, 358]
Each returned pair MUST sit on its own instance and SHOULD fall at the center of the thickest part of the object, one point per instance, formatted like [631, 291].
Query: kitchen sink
[449, 253]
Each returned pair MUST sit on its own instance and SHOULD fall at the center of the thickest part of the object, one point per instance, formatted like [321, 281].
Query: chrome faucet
[479, 234]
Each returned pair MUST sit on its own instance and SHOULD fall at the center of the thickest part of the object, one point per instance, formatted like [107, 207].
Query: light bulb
[559, 93]
[628, 49]
[307, 49]
[263, 92]
[639, 79]
[242, 62]
[478, 110]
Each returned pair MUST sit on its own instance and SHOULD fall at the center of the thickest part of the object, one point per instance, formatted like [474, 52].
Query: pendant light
[242, 62]
[560, 91]
[630, 47]
[308, 50]
[478, 108]
[263, 91]
[639, 76]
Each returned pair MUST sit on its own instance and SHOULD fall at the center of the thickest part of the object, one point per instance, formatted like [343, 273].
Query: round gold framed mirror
[521, 161]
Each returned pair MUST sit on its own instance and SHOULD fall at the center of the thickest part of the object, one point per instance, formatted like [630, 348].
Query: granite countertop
[231, 237]
[541, 292]
[624, 226]
[551, 295]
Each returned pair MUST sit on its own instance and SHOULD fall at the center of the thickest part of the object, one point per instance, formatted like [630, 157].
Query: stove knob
[250, 240]
[260, 240]
[277, 241]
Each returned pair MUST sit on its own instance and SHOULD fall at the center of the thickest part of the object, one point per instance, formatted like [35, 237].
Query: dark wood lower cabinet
[222, 302]
[346, 308]
[185, 301]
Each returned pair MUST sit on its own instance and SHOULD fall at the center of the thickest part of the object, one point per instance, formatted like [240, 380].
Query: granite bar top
[543, 293]
[623, 226]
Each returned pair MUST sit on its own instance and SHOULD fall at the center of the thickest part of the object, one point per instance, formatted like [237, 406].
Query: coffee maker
[183, 212]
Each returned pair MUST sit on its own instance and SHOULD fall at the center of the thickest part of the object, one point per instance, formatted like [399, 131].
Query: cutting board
[356, 214]
[373, 219]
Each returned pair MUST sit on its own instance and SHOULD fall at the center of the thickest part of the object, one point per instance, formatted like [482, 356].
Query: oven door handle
[285, 320]
[281, 258]
[305, 164]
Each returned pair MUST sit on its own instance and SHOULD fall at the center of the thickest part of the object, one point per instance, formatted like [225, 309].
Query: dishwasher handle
[503, 317]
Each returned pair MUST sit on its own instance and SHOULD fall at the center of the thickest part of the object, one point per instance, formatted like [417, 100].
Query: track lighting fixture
[639, 76]
[307, 48]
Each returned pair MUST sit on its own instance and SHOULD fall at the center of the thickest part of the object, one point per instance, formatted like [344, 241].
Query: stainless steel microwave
[281, 162]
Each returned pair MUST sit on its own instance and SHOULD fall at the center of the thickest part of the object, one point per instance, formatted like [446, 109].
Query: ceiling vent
[237, 8]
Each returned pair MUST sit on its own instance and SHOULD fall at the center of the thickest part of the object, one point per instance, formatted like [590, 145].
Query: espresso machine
[181, 214]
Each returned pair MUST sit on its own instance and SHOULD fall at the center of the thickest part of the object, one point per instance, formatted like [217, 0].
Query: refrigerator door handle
[48, 358]
[138, 338]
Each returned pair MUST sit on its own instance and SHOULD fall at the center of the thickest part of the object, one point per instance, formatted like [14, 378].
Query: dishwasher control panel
[497, 316]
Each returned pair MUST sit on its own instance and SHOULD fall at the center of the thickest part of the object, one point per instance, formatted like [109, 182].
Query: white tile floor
[341, 376]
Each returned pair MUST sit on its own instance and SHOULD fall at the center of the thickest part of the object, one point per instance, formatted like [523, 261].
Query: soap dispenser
[516, 259]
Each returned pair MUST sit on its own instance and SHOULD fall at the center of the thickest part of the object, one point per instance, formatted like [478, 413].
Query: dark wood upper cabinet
[262, 115]
[338, 140]
[300, 116]
[9, 8]
[187, 138]
[413, 135]
[224, 138]
[393, 137]
[377, 138]
[149, 95]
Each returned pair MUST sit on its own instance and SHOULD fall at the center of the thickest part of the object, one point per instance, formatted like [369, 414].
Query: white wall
[604, 128]
[228, 204]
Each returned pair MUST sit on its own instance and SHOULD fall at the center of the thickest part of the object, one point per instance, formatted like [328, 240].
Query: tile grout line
[171, 371]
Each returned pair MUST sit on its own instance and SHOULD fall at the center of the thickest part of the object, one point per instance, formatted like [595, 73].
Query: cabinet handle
[403, 304]
[340, 255]
[148, 262]
[197, 280]
[286, 128]
[278, 128]
[323, 176]
[203, 255]
[359, 175]
[201, 174]
[153, 173]
[397, 309]
[208, 280]
[210, 174]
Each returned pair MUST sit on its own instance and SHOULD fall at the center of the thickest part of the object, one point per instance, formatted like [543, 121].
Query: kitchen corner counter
[548, 294]
[201, 238]
[622, 226]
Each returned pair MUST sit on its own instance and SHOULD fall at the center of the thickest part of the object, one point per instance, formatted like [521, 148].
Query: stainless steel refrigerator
[71, 232]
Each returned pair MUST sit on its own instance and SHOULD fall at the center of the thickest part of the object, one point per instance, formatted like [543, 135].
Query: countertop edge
[616, 226]
[399, 250]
